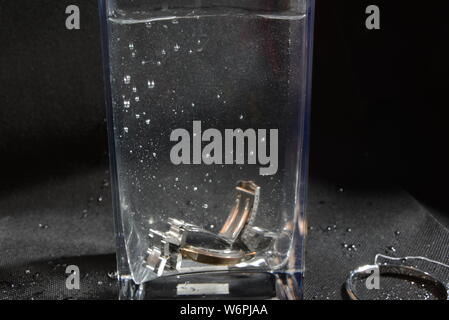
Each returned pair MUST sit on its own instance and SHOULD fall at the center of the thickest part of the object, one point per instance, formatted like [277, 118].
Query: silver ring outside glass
[387, 269]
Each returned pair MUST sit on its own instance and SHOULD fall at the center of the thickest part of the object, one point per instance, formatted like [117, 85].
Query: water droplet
[27, 271]
[137, 116]
[147, 121]
[190, 51]
[176, 47]
[100, 283]
[148, 25]
[151, 84]
[175, 21]
[241, 117]
[137, 99]
[397, 233]
[195, 188]
[349, 230]
[131, 46]
[127, 79]
[163, 52]
[218, 96]
[193, 104]
[341, 190]
[126, 104]
[134, 89]
[99, 199]
[205, 206]
[154, 154]
[158, 63]
[126, 129]
[391, 249]
[43, 226]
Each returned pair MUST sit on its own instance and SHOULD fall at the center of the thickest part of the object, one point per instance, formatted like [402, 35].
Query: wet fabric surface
[347, 228]
[68, 221]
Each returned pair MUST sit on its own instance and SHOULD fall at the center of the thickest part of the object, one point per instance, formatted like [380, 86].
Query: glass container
[208, 115]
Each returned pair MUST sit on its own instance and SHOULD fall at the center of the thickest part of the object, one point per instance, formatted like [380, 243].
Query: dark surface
[378, 131]
[349, 227]
[32, 264]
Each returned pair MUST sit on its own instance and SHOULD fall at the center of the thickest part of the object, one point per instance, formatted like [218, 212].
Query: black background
[379, 116]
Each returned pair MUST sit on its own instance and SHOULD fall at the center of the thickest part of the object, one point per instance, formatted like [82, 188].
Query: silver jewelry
[238, 240]
[383, 269]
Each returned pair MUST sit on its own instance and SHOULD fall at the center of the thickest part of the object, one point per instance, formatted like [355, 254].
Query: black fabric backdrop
[378, 150]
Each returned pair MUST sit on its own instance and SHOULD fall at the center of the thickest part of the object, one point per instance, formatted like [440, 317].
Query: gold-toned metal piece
[216, 257]
[243, 211]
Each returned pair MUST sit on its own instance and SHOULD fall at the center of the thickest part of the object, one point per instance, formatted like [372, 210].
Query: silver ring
[366, 271]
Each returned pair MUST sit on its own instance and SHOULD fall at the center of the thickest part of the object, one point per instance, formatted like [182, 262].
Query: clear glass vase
[208, 123]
